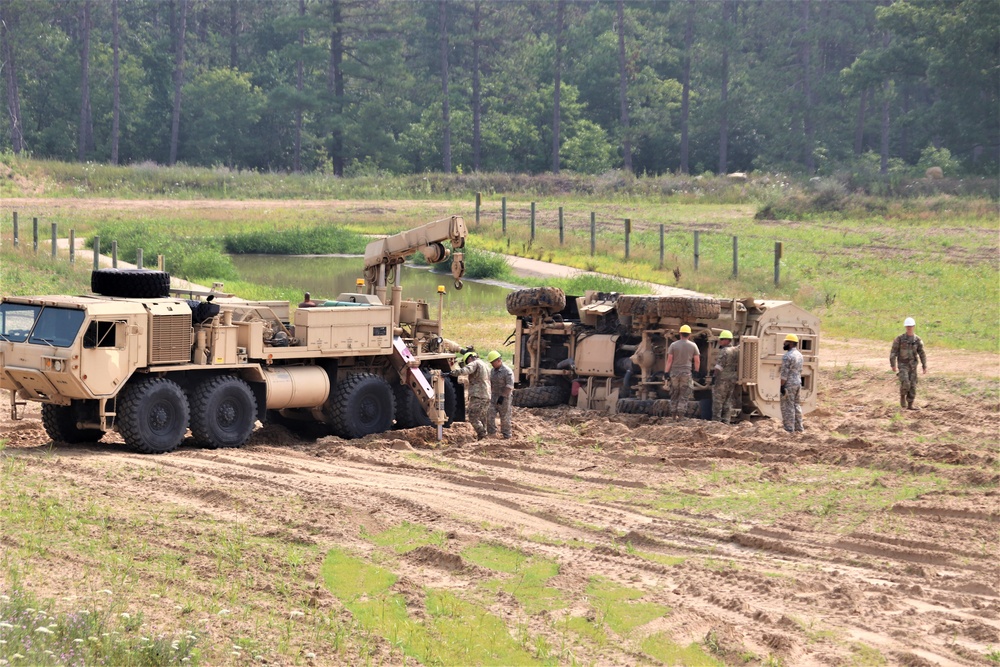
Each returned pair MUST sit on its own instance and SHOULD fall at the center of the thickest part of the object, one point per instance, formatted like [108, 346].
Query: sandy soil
[916, 579]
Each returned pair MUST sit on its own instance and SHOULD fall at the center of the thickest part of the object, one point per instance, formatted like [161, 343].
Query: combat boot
[902, 401]
[909, 406]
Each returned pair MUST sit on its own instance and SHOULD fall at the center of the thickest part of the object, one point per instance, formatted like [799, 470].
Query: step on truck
[154, 364]
[606, 351]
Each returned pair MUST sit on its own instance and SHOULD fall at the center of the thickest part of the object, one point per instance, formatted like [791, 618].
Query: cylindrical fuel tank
[296, 386]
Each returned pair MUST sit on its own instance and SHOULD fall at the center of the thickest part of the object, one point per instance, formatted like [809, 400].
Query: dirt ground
[825, 575]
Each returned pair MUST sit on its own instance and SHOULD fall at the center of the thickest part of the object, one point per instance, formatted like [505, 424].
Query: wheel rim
[368, 411]
[227, 414]
[161, 417]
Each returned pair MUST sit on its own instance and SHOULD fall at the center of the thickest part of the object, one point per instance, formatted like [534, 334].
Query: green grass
[406, 537]
[454, 631]
[669, 652]
[863, 655]
[528, 575]
[617, 606]
[23, 272]
[242, 577]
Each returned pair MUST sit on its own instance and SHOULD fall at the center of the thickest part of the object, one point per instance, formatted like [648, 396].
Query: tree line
[386, 86]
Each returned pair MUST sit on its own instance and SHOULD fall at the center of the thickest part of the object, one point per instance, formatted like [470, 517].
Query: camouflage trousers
[475, 414]
[907, 382]
[680, 394]
[504, 411]
[791, 411]
[724, 395]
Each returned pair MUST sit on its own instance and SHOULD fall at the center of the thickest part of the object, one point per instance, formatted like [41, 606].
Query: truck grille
[170, 339]
[749, 359]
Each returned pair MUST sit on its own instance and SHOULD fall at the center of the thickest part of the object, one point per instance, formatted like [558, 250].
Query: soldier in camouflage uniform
[791, 383]
[501, 389]
[907, 349]
[478, 374]
[681, 355]
[725, 391]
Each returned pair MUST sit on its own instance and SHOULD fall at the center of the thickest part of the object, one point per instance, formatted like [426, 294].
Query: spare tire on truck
[525, 302]
[540, 397]
[130, 283]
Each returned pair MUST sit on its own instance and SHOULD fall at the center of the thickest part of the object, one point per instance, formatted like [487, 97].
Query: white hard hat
[909, 322]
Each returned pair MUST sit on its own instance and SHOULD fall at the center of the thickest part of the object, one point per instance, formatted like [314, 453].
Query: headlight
[57, 365]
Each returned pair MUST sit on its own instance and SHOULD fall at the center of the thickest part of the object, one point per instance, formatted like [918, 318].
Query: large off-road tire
[410, 413]
[223, 412]
[360, 405]
[546, 300]
[634, 406]
[130, 283]
[688, 307]
[683, 307]
[153, 415]
[540, 397]
[636, 305]
[60, 425]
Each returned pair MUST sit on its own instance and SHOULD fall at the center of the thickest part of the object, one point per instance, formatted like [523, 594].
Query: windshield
[57, 327]
[16, 320]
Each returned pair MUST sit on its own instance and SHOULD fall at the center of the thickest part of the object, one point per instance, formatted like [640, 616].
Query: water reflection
[327, 276]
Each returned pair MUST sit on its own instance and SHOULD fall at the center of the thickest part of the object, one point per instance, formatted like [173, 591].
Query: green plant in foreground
[528, 575]
[454, 631]
[406, 537]
[662, 647]
[97, 634]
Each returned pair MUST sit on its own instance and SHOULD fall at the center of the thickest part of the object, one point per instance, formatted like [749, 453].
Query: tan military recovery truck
[132, 358]
[605, 351]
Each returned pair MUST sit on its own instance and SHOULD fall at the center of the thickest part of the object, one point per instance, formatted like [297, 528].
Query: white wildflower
[49, 653]
[310, 654]
[155, 596]
[30, 610]
[126, 615]
[5, 598]
[5, 625]
[77, 641]
[44, 630]
[93, 638]
[223, 612]
[85, 612]
[237, 647]
[178, 607]
[144, 639]
[16, 656]
[185, 659]
[236, 653]
[295, 613]
[105, 591]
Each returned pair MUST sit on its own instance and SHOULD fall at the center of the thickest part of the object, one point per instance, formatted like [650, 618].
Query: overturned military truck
[607, 351]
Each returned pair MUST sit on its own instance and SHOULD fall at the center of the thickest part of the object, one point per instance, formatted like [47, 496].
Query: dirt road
[873, 536]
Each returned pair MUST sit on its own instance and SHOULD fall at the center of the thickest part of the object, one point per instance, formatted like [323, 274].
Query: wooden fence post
[97, 252]
[560, 225]
[17, 241]
[661, 247]
[532, 221]
[779, 251]
[593, 233]
[160, 262]
[114, 254]
[72, 246]
[55, 238]
[479, 202]
[503, 214]
[138, 258]
[736, 256]
[628, 236]
[34, 234]
[697, 236]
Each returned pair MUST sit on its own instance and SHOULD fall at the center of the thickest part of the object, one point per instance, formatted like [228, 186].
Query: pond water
[326, 276]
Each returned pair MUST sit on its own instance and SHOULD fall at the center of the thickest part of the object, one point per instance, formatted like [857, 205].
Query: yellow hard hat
[467, 356]
[791, 338]
[492, 356]
[685, 328]
[726, 335]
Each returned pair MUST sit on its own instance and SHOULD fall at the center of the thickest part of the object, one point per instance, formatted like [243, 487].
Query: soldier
[907, 348]
[477, 372]
[501, 389]
[726, 372]
[791, 383]
[680, 355]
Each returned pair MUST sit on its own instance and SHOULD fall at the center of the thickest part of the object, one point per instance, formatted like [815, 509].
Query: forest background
[371, 87]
